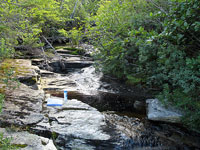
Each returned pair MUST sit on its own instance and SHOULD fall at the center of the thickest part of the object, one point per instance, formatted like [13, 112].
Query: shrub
[154, 44]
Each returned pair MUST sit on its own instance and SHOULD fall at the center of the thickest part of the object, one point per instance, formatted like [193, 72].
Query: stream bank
[100, 114]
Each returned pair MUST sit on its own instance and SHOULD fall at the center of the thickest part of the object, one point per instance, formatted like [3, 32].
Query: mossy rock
[50, 54]
[74, 50]
[17, 67]
[14, 69]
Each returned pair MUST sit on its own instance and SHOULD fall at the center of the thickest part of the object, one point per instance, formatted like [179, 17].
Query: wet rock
[75, 124]
[180, 138]
[145, 135]
[65, 62]
[86, 85]
[83, 82]
[29, 141]
[69, 64]
[157, 112]
[107, 92]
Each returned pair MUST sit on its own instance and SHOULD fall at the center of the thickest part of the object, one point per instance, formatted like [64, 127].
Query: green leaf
[180, 36]
[185, 24]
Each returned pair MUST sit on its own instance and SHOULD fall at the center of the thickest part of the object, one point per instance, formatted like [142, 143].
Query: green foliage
[79, 12]
[179, 60]
[54, 135]
[9, 79]
[23, 22]
[5, 52]
[5, 143]
[120, 30]
[182, 26]
[153, 44]
[74, 34]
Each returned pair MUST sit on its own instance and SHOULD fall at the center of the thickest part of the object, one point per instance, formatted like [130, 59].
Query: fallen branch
[50, 45]
[60, 60]
[44, 55]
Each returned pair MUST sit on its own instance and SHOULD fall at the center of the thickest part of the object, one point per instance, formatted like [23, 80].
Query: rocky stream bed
[100, 114]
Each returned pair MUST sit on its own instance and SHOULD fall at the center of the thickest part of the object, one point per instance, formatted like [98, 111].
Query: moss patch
[13, 69]
[20, 145]
[19, 68]
[54, 135]
[49, 54]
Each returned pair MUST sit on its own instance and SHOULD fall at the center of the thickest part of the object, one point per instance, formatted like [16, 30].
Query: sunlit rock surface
[23, 102]
[27, 141]
[157, 112]
[80, 123]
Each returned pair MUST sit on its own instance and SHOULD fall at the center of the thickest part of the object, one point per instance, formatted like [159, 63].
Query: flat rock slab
[72, 59]
[61, 51]
[157, 112]
[77, 64]
[44, 73]
[22, 106]
[69, 55]
[83, 80]
[78, 119]
[75, 122]
[29, 141]
[58, 83]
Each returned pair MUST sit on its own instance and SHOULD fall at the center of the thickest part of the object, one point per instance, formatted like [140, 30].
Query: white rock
[157, 112]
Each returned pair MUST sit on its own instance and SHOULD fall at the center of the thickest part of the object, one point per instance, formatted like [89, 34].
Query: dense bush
[182, 59]
[153, 44]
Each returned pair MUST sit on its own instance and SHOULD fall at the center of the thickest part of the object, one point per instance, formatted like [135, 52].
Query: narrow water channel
[124, 127]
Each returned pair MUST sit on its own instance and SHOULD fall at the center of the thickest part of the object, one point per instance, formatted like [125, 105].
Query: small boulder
[157, 112]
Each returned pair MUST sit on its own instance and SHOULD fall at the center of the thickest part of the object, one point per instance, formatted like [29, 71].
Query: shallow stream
[124, 123]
